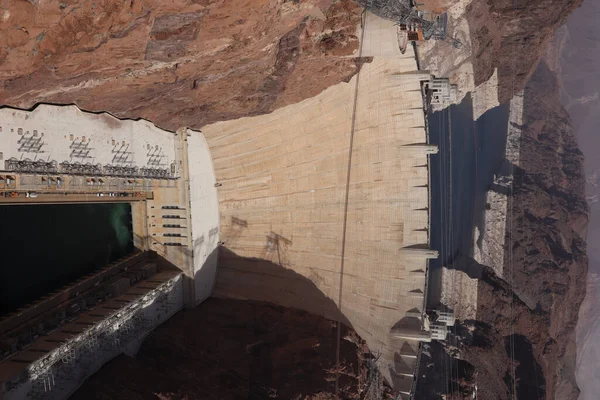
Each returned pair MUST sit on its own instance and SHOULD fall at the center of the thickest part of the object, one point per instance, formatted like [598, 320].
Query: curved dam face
[324, 204]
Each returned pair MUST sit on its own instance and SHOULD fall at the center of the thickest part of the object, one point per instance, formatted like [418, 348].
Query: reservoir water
[44, 247]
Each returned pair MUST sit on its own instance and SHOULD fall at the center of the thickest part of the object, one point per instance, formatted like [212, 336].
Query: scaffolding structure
[28, 166]
[31, 166]
[373, 388]
[120, 170]
[30, 143]
[66, 367]
[157, 173]
[77, 168]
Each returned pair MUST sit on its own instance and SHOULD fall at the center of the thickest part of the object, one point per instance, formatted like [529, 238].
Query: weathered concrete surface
[204, 215]
[283, 195]
[68, 134]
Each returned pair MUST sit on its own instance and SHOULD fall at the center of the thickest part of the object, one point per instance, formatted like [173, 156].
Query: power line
[445, 216]
[510, 235]
[451, 232]
[441, 131]
[448, 233]
[346, 197]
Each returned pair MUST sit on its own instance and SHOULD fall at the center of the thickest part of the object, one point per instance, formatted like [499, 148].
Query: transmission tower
[403, 13]
[373, 389]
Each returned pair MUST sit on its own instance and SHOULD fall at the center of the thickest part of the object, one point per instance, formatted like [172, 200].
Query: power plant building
[58, 155]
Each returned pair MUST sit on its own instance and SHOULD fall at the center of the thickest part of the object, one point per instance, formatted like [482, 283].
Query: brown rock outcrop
[177, 63]
[511, 35]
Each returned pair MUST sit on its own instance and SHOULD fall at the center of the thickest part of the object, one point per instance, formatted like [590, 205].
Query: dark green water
[44, 247]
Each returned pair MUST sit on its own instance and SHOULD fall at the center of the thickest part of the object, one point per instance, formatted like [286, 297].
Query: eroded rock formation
[177, 63]
[502, 42]
[512, 36]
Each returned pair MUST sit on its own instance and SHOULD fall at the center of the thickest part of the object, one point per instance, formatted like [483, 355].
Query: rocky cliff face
[576, 58]
[511, 35]
[528, 313]
[502, 42]
[192, 62]
[176, 63]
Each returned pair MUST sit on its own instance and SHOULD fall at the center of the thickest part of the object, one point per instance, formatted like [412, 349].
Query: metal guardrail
[29, 166]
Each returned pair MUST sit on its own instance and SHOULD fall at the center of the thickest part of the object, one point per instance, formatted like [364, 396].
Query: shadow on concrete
[419, 246]
[404, 365]
[402, 370]
[263, 280]
[407, 324]
[259, 279]
[270, 332]
[469, 266]
[204, 279]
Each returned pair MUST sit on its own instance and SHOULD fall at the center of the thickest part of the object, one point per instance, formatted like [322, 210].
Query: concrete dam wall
[324, 204]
